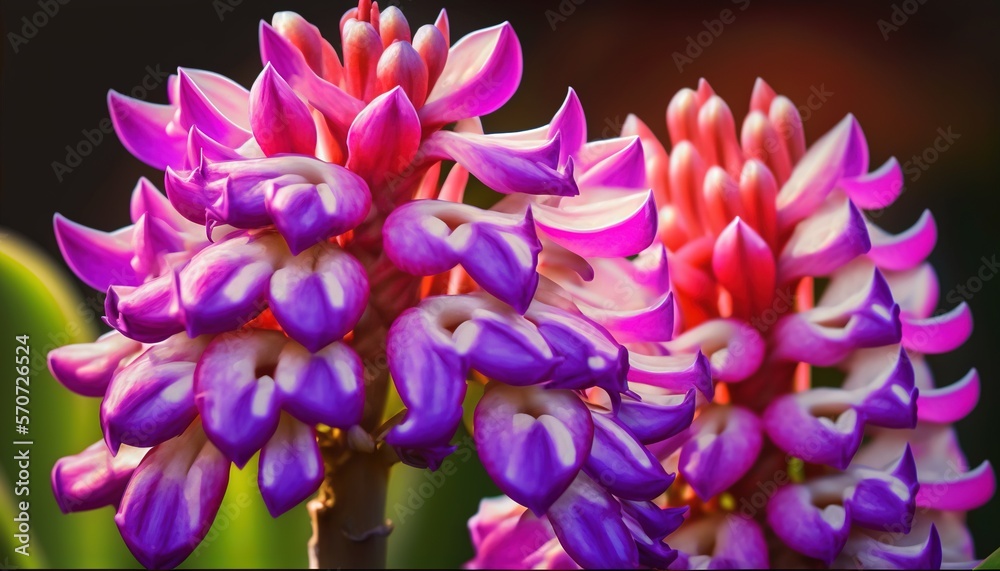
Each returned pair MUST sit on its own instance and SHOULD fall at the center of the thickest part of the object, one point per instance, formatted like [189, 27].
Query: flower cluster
[826, 440]
[306, 242]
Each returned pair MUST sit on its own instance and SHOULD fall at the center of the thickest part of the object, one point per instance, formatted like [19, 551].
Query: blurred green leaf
[991, 562]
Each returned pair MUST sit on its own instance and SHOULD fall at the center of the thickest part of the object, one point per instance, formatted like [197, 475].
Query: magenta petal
[588, 522]
[236, 394]
[506, 166]
[172, 499]
[725, 443]
[532, 442]
[792, 423]
[949, 404]
[734, 348]
[622, 464]
[142, 129]
[623, 168]
[739, 544]
[430, 378]
[958, 491]
[882, 499]
[93, 478]
[744, 264]
[87, 368]
[319, 296]
[225, 285]
[326, 387]
[481, 74]
[890, 398]
[939, 333]
[337, 106]
[835, 235]
[383, 140]
[195, 109]
[877, 189]
[152, 399]
[281, 122]
[149, 313]
[100, 259]
[311, 211]
[291, 466]
[147, 199]
[905, 250]
[817, 532]
[605, 224]
[674, 372]
[657, 417]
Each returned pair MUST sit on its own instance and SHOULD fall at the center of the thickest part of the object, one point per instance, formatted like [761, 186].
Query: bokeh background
[909, 70]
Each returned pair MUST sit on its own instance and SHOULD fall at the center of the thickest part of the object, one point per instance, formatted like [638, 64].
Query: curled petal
[93, 478]
[939, 333]
[817, 532]
[172, 499]
[319, 295]
[734, 349]
[87, 368]
[624, 168]
[196, 108]
[152, 399]
[142, 129]
[657, 417]
[606, 223]
[149, 313]
[958, 491]
[235, 391]
[868, 550]
[281, 122]
[882, 499]
[98, 258]
[588, 522]
[506, 348]
[835, 235]
[622, 465]
[675, 372]
[482, 72]
[291, 466]
[948, 404]
[877, 189]
[532, 442]
[905, 250]
[325, 387]
[725, 444]
[794, 423]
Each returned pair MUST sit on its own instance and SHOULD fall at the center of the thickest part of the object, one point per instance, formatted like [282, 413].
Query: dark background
[938, 70]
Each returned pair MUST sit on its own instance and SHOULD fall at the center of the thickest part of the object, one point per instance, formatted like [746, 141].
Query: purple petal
[281, 122]
[588, 522]
[622, 464]
[734, 348]
[590, 356]
[905, 250]
[657, 417]
[739, 544]
[142, 129]
[152, 399]
[657, 522]
[532, 442]
[939, 333]
[673, 372]
[98, 258]
[172, 499]
[147, 199]
[319, 296]
[869, 551]
[235, 391]
[955, 491]
[505, 347]
[225, 285]
[481, 74]
[326, 387]
[149, 313]
[945, 405]
[795, 424]
[291, 466]
[725, 444]
[877, 189]
[835, 235]
[841, 153]
[93, 478]
[229, 98]
[195, 109]
[890, 398]
[507, 536]
[882, 499]
[622, 168]
[813, 531]
[505, 166]
[383, 140]
[430, 378]
[310, 212]
[87, 368]
[606, 223]
[856, 311]
[152, 240]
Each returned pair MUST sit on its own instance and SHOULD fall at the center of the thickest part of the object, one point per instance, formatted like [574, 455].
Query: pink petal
[905, 250]
[949, 404]
[609, 224]
[281, 122]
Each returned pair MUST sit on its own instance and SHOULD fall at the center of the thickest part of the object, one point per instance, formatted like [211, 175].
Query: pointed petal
[149, 313]
[588, 522]
[608, 224]
[281, 122]
[172, 499]
[905, 250]
[196, 109]
[87, 368]
[795, 424]
[93, 478]
[939, 333]
[383, 140]
[291, 466]
[958, 491]
[142, 129]
[675, 372]
[744, 265]
[877, 189]
[816, 532]
[949, 404]
[725, 444]
[401, 66]
[325, 387]
[657, 417]
[622, 464]
[100, 259]
[830, 238]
